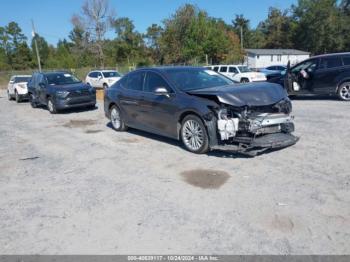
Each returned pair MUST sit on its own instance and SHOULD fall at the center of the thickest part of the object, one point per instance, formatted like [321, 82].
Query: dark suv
[320, 75]
[60, 90]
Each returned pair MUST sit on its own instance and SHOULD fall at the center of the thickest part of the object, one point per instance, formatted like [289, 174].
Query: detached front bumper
[259, 144]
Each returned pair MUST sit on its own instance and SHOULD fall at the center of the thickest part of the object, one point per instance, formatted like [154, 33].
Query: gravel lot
[69, 184]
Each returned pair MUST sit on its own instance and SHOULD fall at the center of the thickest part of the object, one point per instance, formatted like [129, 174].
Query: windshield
[111, 74]
[62, 79]
[191, 79]
[244, 69]
[21, 79]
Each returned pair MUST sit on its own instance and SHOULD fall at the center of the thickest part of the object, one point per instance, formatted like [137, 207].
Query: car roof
[330, 55]
[229, 65]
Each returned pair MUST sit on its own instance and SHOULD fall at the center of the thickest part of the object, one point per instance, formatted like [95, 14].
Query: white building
[260, 58]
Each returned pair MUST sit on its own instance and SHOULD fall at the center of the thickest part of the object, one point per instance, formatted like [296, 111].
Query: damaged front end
[253, 129]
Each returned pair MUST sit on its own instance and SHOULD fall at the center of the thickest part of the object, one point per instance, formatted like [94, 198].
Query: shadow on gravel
[69, 110]
[315, 98]
[173, 142]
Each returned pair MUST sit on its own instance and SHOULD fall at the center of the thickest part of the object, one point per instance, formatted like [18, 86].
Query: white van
[239, 73]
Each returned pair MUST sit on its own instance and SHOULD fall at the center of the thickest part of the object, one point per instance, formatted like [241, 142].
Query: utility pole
[242, 37]
[36, 46]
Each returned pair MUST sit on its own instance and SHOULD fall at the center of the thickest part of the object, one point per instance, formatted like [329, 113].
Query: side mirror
[161, 91]
[11, 82]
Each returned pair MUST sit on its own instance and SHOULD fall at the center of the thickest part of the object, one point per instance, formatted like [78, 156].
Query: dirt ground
[69, 184]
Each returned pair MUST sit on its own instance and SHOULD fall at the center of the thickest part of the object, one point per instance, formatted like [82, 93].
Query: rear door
[130, 98]
[223, 70]
[232, 71]
[327, 74]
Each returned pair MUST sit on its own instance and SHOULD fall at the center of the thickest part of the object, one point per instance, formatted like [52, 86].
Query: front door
[158, 110]
[301, 78]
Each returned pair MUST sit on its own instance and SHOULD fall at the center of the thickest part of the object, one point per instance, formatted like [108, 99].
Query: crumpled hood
[252, 94]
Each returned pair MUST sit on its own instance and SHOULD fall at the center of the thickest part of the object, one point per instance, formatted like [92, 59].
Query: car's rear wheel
[116, 119]
[194, 135]
[51, 106]
[17, 97]
[244, 80]
[344, 91]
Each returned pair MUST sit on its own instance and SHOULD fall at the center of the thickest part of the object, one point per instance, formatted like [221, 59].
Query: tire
[9, 97]
[51, 106]
[116, 119]
[194, 135]
[17, 97]
[32, 101]
[244, 80]
[105, 86]
[344, 91]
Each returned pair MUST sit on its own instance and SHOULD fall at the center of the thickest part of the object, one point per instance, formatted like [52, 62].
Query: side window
[346, 60]
[153, 81]
[330, 62]
[99, 75]
[93, 74]
[216, 68]
[232, 69]
[223, 69]
[121, 83]
[135, 81]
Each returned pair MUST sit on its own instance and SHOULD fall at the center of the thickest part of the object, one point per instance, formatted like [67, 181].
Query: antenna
[36, 46]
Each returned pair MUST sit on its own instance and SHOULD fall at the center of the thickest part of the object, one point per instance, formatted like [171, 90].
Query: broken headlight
[284, 106]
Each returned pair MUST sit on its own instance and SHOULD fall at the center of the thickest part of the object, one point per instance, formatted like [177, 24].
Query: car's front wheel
[51, 106]
[32, 101]
[116, 119]
[344, 91]
[244, 80]
[194, 135]
[9, 97]
[17, 97]
[105, 86]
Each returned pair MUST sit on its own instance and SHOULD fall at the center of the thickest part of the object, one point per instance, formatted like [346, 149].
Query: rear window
[20, 79]
[346, 60]
[135, 81]
[233, 70]
[330, 62]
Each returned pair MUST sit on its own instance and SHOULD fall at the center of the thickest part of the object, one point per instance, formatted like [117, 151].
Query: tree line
[188, 36]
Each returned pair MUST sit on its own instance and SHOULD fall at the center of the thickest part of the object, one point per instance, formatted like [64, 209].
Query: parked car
[17, 87]
[273, 71]
[239, 73]
[203, 109]
[320, 75]
[102, 78]
[60, 90]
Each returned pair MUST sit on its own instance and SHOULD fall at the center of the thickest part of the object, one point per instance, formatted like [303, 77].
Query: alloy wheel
[193, 135]
[115, 118]
[344, 91]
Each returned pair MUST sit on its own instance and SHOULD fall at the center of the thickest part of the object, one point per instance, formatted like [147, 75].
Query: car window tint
[216, 68]
[346, 60]
[233, 70]
[153, 81]
[309, 64]
[330, 62]
[99, 74]
[135, 81]
[223, 69]
[93, 74]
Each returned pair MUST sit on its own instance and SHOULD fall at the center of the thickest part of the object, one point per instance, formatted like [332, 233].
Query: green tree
[319, 26]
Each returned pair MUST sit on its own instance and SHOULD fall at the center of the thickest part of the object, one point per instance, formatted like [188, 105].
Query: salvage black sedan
[203, 109]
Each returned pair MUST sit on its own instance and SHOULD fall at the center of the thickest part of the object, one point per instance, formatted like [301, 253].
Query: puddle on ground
[79, 123]
[205, 178]
[92, 131]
